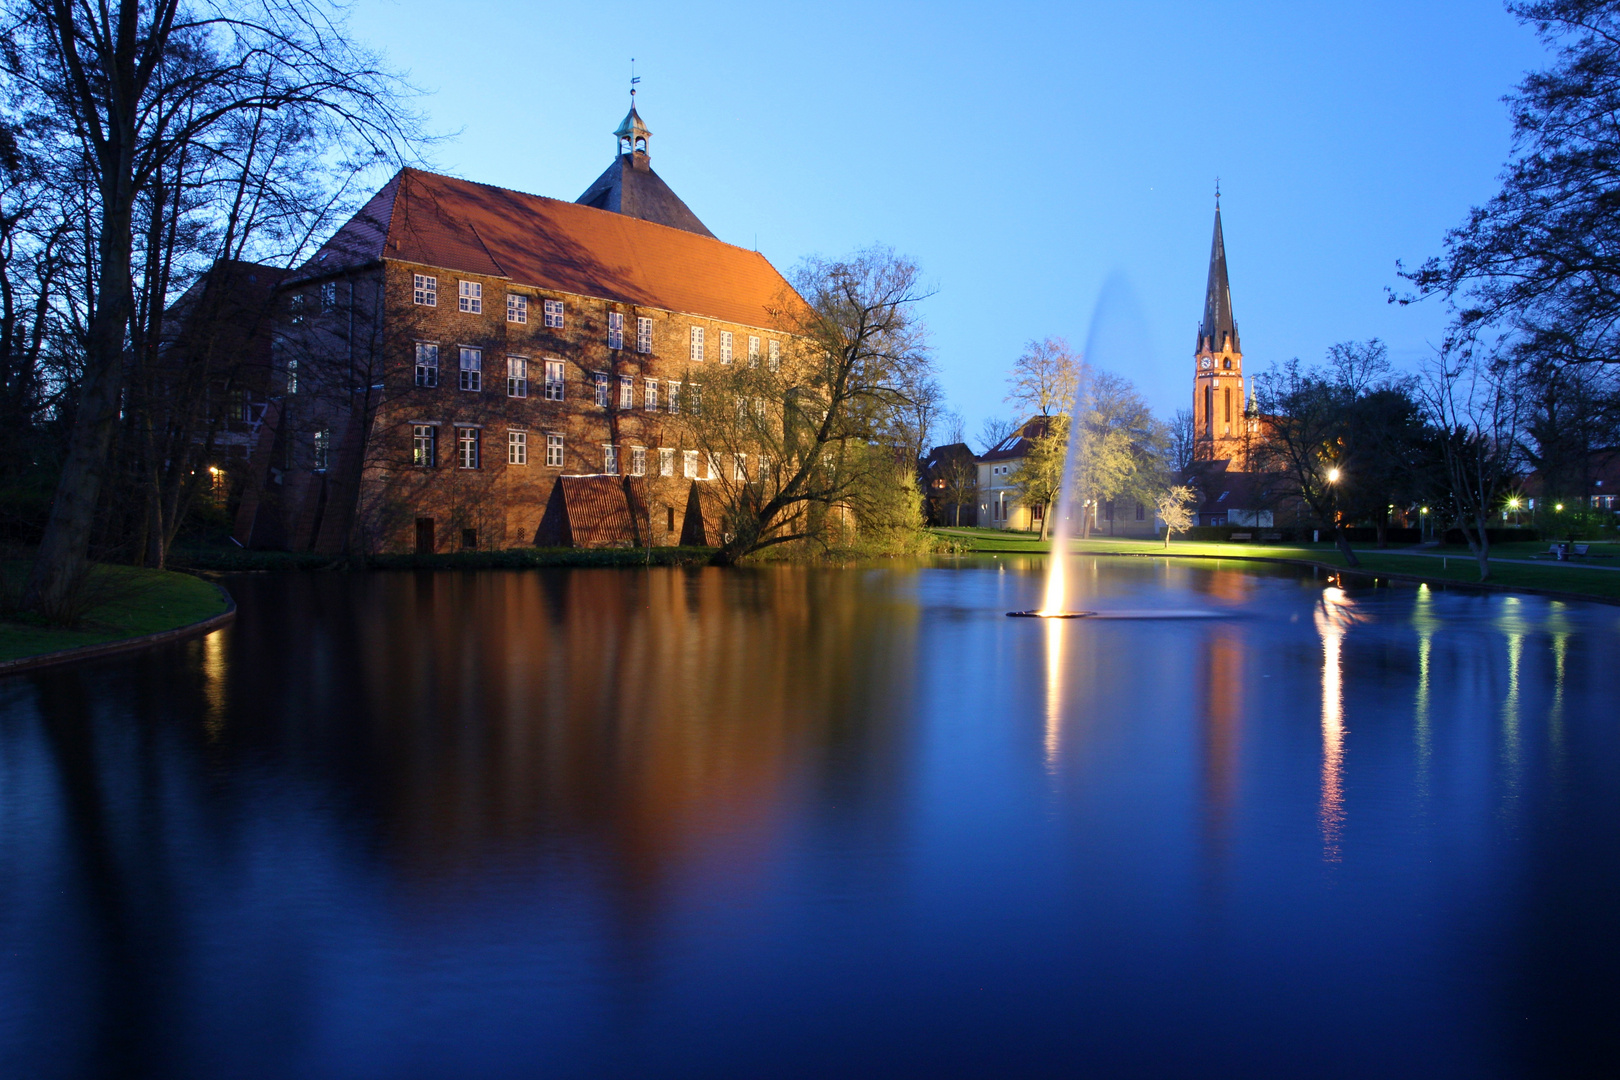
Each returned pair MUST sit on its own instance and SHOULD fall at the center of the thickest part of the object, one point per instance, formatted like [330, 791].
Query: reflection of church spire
[1218, 329]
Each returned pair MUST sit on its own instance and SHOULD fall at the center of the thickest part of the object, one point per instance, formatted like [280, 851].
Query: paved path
[1469, 558]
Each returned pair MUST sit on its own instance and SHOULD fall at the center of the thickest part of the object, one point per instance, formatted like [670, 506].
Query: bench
[1241, 536]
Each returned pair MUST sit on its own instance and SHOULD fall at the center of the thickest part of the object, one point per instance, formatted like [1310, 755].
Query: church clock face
[1204, 363]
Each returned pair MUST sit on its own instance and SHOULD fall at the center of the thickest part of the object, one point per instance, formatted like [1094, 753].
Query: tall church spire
[1218, 330]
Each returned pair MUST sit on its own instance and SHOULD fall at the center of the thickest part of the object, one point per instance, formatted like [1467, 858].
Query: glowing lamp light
[1333, 476]
[1423, 510]
[1558, 507]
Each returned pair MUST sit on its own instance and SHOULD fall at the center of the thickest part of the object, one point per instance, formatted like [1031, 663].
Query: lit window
[427, 364]
[610, 459]
[517, 377]
[517, 308]
[467, 447]
[472, 298]
[424, 445]
[725, 346]
[697, 344]
[666, 461]
[599, 381]
[753, 351]
[643, 334]
[323, 448]
[554, 380]
[426, 290]
[517, 447]
[615, 329]
[775, 355]
[328, 295]
[472, 369]
[554, 314]
[627, 392]
[554, 447]
[739, 469]
[650, 397]
[674, 396]
[689, 462]
[638, 461]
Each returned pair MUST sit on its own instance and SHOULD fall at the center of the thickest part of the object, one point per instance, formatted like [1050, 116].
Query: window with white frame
[467, 447]
[517, 447]
[328, 295]
[674, 395]
[643, 334]
[610, 459]
[689, 464]
[725, 346]
[697, 344]
[427, 364]
[517, 376]
[554, 314]
[638, 461]
[666, 461]
[599, 381]
[323, 449]
[472, 297]
[739, 469]
[424, 445]
[292, 376]
[627, 392]
[295, 308]
[775, 352]
[753, 351]
[554, 380]
[472, 368]
[425, 290]
[649, 397]
[615, 329]
[711, 467]
[554, 448]
[517, 307]
[694, 399]
[763, 468]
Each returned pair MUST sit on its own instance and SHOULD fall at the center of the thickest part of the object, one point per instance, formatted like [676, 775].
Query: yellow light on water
[1057, 590]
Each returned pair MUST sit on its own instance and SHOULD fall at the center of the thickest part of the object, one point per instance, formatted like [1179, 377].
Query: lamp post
[1423, 523]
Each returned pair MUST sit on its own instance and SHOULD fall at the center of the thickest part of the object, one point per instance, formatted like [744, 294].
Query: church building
[467, 366]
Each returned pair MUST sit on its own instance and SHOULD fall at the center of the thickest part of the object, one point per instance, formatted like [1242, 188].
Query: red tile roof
[441, 221]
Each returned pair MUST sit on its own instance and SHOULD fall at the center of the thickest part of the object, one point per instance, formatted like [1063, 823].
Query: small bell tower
[632, 135]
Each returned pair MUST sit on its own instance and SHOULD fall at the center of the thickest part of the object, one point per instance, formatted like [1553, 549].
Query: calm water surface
[821, 822]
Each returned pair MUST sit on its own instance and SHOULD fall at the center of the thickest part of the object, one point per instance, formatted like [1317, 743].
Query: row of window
[425, 292]
[469, 440]
[470, 376]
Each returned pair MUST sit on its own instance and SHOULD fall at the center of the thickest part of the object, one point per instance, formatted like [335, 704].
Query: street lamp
[1333, 476]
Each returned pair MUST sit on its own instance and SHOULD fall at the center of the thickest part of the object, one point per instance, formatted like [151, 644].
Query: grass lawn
[1455, 565]
[132, 602]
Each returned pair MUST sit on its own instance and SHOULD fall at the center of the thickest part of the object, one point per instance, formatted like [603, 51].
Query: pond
[808, 822]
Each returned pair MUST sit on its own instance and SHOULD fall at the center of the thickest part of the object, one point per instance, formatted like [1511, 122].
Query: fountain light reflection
[1334, 616]
[1054, 691]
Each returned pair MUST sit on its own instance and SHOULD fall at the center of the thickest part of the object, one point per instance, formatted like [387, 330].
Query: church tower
[1219, 423]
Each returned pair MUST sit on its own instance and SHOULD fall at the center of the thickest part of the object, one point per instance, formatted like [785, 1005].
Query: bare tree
[130, 91]
[1477, 405]
[1183, 442]
[1044, 377]
[1175, 508]
[994, 431]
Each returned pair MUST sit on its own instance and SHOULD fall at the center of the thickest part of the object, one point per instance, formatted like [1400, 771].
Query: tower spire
[1218, 330]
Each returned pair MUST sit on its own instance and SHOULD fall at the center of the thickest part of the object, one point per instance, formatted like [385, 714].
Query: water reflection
[1054, 689]
[1221, 677]
[1424, 620]
[1333, 618]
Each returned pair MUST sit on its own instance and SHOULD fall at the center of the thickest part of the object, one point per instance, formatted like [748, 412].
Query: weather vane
[1217, 187]
[634, 78]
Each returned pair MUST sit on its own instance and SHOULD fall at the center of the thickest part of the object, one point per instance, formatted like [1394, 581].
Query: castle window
[328, 295]
[599, 379]
[753, 351]
[425, 290]
[295, 308]
[610, 459]
[292, 376]
[650, 397]
[517, 377]
[643, 334]
[554, 314]
[674, 396]
[638, 461]
[725, 346]
[554, 380]
[472, 298]
[775, 355]
[666, 463]
[689, 464]
[554, 451]
[739, 469]
[615, 329]
[424, 445]
[697, 344]
[427, 364]
[323, 449]
[472, 369]
[467, 448]
[517, 447]
[517, 308]
[694, 399]
[627, 392]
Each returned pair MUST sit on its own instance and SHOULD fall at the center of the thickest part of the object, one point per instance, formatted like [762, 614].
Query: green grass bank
[122, 602]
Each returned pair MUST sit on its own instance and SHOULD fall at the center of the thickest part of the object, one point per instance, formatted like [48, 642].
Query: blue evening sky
[1023, 153]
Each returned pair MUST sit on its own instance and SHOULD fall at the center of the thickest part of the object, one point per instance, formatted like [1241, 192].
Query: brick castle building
[465, 366]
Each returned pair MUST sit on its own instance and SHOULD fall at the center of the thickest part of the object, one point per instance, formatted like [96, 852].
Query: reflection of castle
[1225, 423]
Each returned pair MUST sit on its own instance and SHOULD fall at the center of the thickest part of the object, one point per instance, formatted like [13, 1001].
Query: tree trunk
[1046, 518]
[1343, 541]
[1383, 531]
